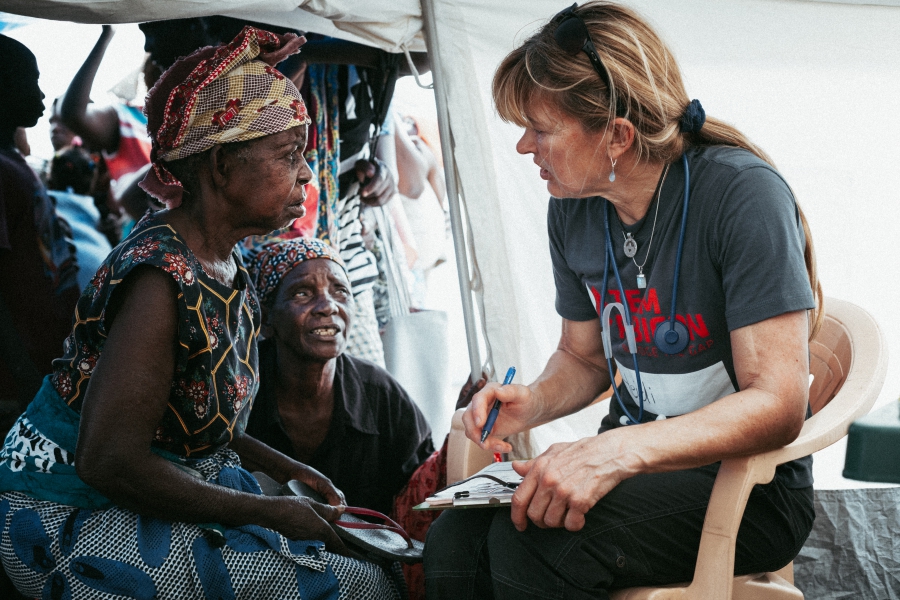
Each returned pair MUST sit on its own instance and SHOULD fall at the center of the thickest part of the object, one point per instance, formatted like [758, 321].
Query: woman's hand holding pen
[516, 414]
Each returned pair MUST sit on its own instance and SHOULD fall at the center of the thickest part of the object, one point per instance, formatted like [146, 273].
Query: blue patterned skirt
[52, 550]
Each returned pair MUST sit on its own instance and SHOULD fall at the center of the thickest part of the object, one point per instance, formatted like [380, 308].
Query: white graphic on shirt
[673, 394]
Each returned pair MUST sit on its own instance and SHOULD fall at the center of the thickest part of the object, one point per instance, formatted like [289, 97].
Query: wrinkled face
[266, 182]
[573, 162]
[310, 313]
[22, 102]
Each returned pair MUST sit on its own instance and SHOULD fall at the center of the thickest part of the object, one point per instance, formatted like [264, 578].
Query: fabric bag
[415, 344]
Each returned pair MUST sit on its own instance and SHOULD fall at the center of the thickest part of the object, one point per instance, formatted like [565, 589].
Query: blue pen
[492, 416]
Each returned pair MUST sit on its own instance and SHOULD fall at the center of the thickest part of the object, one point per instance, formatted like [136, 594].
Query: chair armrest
[464, 457]
[715, 558]
[737, 476]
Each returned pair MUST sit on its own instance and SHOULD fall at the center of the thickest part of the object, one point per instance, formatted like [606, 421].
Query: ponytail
[718, 133]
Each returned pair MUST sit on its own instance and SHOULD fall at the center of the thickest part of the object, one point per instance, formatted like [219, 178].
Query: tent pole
[450, 170]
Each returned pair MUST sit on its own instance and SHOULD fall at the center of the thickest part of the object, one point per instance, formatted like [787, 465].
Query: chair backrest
[830, 356]
[849, 360]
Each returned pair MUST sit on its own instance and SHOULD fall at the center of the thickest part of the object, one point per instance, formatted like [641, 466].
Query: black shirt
[377, 438]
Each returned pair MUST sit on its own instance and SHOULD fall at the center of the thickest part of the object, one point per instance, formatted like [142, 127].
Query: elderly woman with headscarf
[342, 415]
[125, 477]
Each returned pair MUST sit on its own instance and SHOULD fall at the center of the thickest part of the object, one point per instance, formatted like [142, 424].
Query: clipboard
[492, 487]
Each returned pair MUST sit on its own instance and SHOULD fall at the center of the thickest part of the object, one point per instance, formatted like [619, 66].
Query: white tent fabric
[815, 83]
[387, 24]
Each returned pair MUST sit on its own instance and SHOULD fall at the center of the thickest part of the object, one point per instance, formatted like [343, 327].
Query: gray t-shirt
[742, 263]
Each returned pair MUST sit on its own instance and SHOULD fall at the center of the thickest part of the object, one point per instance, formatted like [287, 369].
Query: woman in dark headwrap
[124, 477]
[343, 415]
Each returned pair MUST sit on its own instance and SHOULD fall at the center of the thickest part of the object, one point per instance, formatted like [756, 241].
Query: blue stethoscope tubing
[670, 336]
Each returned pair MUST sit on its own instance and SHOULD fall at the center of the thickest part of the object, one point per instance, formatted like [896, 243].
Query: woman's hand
[257, 456]
[320, 483]
[566, 481]
[518, 408]
[376, 183]
[299, 518]
[575, 374]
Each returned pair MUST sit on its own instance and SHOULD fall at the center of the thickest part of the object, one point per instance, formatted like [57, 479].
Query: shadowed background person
[70, 180]
[38, 287]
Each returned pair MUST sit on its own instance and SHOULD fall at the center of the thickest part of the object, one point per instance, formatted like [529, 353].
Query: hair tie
[693, 118]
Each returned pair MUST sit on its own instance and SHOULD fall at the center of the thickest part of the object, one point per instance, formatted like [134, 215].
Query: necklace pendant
[641, 280]
[630, 246]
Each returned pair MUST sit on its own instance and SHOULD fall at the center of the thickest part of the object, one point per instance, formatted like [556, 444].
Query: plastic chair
[464, 457]
[848, 359]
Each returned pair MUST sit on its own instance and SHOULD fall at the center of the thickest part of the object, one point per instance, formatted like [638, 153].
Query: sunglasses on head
[572, 36]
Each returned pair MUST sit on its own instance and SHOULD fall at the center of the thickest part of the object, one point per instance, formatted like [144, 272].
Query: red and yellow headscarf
[220, 95]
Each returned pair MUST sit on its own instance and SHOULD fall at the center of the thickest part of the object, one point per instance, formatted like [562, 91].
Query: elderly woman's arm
[128, 395]
[257, 456]
[772, 367]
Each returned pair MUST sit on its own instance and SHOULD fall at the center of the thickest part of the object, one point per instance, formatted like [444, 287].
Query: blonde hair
[648, 88]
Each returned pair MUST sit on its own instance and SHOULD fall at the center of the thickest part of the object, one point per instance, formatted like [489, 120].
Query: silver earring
[612, 172]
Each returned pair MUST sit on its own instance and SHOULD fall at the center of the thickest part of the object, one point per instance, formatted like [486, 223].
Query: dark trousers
[645, 532]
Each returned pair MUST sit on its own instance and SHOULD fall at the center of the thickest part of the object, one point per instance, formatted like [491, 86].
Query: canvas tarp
[853, 551]
[388, 24]
[816, 84]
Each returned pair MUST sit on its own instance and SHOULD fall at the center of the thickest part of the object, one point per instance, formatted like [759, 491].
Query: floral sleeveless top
[216, 374]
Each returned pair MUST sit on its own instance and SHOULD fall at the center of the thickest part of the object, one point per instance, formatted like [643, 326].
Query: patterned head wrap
[231, 93]
[275, 260]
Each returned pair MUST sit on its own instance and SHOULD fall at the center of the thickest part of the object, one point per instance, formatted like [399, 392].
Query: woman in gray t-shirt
[648, 194]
